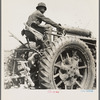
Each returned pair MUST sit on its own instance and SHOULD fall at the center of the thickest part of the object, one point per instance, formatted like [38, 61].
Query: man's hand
[60, 29]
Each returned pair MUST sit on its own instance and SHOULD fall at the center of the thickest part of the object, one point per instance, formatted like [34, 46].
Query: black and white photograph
[50, 46]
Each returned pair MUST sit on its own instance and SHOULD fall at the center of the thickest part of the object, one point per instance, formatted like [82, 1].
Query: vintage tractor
[67, 61]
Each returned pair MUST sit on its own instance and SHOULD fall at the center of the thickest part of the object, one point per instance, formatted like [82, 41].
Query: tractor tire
[67, 64]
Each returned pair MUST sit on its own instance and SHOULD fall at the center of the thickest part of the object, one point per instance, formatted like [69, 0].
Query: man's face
[42, 9]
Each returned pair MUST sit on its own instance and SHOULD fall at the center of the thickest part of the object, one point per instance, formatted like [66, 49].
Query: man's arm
[47, 20]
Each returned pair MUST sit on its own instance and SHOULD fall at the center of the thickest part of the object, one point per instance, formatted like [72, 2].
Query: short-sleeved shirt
[37, 17]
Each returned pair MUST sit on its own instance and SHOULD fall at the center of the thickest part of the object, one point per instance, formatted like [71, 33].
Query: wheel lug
[71, 67]
[74, 73]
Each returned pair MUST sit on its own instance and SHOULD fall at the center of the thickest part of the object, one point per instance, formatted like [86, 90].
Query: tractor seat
[29, 35]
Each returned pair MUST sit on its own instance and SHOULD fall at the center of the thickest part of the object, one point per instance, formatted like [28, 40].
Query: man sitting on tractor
[36, 18]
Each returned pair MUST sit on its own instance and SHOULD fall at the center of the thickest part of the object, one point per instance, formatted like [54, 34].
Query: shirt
[37, 17]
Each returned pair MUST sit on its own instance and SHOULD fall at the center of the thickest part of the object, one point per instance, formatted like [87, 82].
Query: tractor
[65, 60]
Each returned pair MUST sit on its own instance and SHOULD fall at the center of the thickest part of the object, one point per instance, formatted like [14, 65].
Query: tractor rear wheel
[67, 64]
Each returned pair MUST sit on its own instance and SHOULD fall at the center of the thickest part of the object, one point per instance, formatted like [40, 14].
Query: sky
[70, 13]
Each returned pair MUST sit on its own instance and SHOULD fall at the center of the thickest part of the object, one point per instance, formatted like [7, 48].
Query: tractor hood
[77, 31]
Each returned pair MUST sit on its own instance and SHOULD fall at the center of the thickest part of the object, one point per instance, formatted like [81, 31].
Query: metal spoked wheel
[68, 64]
[70, 69]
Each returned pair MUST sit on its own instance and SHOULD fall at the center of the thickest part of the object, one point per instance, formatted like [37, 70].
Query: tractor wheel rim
[69, 71]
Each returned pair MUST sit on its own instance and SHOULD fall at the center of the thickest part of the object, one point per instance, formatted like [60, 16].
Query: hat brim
[41, 6]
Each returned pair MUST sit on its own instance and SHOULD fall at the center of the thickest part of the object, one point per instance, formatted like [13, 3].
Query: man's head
[41, 7]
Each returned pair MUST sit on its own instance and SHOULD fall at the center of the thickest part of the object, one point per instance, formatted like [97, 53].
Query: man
[36, 18]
